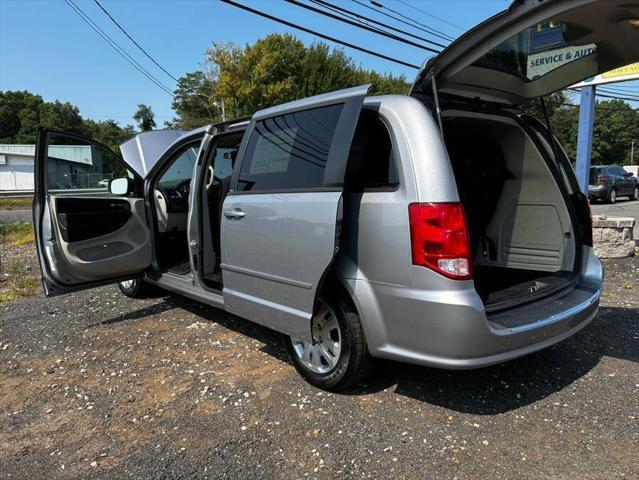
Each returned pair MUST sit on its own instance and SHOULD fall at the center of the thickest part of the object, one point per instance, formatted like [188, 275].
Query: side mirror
[119, 186]
[630, 174]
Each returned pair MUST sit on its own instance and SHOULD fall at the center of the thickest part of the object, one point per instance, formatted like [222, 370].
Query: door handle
[237, 213]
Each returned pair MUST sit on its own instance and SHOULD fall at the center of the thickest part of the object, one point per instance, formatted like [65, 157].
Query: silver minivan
[443, 228]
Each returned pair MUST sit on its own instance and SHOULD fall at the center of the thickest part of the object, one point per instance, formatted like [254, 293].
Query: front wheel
[138, 288]
[337, 357]
[635, 194]
[612, 195]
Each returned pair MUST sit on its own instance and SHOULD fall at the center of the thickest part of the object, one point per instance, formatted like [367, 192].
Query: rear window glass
[535, 52]
[370, 162]
[289, 151]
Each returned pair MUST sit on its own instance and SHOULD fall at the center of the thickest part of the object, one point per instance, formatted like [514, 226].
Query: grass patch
[16, 233]
[8, 296]
[22, 203]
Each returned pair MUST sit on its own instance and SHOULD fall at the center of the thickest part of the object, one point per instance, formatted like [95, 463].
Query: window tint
[181, 169]
[538, 50]
[81, 167]
[289, 151]
[370, 162]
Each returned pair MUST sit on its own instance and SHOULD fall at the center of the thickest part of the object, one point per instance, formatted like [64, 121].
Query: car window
[80, 167]
[370, 162]
[537, 51]
[223, 160]
[181, 169]
[289, 151]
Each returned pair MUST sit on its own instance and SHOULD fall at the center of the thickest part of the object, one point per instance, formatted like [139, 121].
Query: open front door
[281, 220]
[88, 214]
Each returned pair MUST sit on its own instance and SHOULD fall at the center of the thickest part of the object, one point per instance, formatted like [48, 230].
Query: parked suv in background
[608, 182]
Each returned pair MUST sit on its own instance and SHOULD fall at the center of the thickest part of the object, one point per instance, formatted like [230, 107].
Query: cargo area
[520, 227]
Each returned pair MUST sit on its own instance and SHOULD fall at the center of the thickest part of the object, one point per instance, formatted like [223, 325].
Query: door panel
[274, 256]
[282, 218]
[85, 234]
[85, 218]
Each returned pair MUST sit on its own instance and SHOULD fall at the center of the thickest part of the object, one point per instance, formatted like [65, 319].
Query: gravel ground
[97, 385]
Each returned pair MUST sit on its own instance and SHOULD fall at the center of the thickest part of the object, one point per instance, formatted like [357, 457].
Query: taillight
[602, 179]
[439, 238]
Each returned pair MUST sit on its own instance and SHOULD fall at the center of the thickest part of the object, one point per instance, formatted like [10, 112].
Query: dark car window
[594, 174]
[289, 151]
[370, 162]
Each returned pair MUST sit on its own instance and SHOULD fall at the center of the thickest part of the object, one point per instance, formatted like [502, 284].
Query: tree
[14, 108]
[273, 70]
[22, 113]
[145, 118]
[193, 101]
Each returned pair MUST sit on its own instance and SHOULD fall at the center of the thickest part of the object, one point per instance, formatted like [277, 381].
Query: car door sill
[182, 286]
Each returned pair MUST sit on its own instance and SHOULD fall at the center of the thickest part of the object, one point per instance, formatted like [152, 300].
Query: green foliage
[276, 69]
[144, 117]
[193, 96]
[22, 112]
[616, 126]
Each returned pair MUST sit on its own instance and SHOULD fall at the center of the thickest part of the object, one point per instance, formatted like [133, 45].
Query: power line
[427, 29]
[359, 17]
[321, 35]
[431, 15]
[133, 40]
[116, 47]
[616, 96]
[623, 92]
[362, 26]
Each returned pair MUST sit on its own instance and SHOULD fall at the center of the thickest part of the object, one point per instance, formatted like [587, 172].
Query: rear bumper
[450, 329]
[598, 191]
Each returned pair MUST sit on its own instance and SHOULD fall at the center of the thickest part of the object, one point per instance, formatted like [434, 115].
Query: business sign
[621, 74]
[539, 64]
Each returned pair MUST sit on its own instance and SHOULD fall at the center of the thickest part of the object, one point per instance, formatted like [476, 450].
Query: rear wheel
[138, 288]
[612, 195]
[337, 357]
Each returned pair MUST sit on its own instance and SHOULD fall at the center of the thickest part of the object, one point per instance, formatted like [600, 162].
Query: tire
[138, 288]
[353, 361]
[612, 195]
[635, 194]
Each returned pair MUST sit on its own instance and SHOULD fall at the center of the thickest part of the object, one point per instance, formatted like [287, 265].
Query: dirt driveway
[95, 385]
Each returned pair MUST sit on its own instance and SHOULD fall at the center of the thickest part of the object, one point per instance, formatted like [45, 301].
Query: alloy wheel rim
[613, 196]
[636, 193]
[128, 284]
[323, 352]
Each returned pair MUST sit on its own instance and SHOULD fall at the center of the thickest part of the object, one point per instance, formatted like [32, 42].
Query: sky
[46, 48]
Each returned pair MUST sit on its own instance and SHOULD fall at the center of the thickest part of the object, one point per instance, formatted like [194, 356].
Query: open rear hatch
[525, 222]
[535, 48]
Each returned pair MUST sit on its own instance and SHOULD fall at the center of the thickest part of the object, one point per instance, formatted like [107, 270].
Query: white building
[69, 166]
[16, 167]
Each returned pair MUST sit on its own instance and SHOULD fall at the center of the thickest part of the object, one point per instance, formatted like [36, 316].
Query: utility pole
[222, 108]
[584, 140]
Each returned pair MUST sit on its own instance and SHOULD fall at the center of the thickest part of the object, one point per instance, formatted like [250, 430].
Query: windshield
[535, 52]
